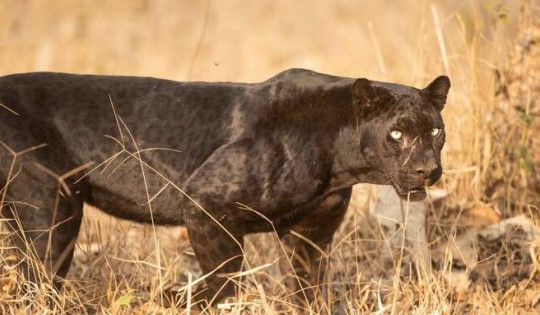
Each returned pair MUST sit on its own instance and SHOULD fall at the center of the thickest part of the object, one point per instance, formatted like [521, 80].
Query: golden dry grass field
[120, 267]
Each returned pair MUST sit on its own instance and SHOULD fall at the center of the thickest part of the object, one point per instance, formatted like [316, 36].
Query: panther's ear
[363, 93]
[438, 90]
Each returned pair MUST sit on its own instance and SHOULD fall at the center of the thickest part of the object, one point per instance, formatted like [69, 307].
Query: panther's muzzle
[411, 186]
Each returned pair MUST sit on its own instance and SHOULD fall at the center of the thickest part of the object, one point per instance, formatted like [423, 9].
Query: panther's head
[403, 134]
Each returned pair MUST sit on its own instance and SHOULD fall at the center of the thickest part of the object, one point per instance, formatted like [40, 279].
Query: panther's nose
[426, 169]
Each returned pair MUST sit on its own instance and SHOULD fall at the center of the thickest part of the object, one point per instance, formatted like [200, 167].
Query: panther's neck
[349, 164]
[347, 175]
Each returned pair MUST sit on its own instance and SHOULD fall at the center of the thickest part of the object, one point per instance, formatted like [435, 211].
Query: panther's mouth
[414, 194]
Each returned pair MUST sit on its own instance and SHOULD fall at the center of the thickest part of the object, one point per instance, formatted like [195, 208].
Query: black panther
[223, 159]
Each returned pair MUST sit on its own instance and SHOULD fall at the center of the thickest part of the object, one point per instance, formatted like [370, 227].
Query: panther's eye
[396, 135]
[435, 132]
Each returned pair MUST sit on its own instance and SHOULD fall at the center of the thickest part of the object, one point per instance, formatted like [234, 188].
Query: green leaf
[522, 151]
[525, 118]
[124, 300]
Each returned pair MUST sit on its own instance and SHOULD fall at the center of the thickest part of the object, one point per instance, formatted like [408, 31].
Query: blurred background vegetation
[489, 48]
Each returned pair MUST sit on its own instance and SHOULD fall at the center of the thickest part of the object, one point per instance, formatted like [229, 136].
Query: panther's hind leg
[42, 209]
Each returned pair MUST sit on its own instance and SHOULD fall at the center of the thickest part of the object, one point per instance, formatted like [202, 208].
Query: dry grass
[120, 266]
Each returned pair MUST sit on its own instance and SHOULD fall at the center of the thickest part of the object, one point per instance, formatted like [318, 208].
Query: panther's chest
[283, 220]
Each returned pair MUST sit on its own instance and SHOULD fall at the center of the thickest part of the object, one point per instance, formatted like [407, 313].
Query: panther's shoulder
[306, 78]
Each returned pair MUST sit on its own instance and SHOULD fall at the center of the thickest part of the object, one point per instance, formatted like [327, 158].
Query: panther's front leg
[308, 245]
[218, 248]
[215, 225]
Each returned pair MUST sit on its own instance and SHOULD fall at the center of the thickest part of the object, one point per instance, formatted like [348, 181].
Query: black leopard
[223, 159]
